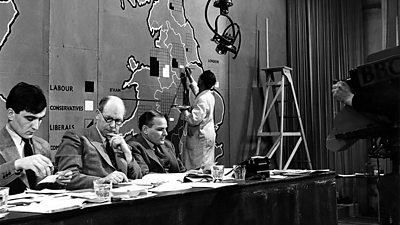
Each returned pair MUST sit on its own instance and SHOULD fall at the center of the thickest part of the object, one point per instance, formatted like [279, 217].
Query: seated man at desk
[152, 151]
[98, 152]
[24, 157]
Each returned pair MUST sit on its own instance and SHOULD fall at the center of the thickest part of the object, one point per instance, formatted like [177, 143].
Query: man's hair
[26, 97]
[208, 79]
[103, 102]
[147, 118]
[106, 99]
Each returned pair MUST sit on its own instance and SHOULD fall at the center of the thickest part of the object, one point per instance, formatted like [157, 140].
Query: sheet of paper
[131, 190]
[155, 178]
[171, 186]
[277, 177]
[209, 184]
[51, 205]
[49, 179]
[142, 182]
[21, 196]
[26, 198]
[149, 194]
[84, 195]
[296, 172]
[46, 191]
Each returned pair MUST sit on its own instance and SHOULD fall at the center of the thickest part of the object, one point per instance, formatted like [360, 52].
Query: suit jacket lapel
[96, 140]
[10, 152]
[149, 151]
[173, 161]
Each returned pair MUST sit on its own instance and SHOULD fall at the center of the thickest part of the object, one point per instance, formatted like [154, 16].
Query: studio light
[223, 5]
[226, 40]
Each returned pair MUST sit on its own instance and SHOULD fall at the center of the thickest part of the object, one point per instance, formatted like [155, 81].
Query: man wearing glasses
[98, 152]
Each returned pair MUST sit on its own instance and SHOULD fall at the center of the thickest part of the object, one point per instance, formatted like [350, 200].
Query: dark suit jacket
[147, 159]
[84, 153]
[8, 155]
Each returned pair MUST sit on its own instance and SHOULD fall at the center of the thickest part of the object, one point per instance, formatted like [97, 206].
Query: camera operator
[382, 100]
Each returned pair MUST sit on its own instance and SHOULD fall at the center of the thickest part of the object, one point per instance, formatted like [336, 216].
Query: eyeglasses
[109, 120]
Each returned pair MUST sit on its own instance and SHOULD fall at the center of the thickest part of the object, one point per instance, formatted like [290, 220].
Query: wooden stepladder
[277, 88]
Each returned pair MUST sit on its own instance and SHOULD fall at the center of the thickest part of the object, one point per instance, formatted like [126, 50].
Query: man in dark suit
[151, 150]
[25, 158]
[381, 100]
[98, 152]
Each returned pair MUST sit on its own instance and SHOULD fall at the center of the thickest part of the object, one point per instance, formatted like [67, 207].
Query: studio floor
[349, 214]
[358, 220]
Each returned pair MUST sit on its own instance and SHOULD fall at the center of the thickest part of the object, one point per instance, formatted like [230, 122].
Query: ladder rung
[278, 83]
[290, 117]
[276, 69]
[269, 134]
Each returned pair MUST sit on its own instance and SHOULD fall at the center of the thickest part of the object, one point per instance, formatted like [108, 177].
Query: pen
[51, 169]
[230, 171]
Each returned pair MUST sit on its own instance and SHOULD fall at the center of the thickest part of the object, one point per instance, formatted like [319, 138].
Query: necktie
[111, 154]
[29, 173]
[164, 161]
[157, 150]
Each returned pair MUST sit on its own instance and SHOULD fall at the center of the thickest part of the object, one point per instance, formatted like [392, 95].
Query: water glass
[3, 199]
[217, 172]
[239, 172]
[102, 189]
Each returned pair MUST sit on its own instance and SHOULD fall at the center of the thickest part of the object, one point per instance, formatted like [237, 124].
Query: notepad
[51, 205]
[171, 186]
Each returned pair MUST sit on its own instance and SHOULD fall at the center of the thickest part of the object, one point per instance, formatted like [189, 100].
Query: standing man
[152, 151]
[198, 151]
[100, 151]
[25, 158]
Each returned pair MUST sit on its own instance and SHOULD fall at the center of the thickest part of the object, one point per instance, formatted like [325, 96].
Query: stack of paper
[51, 205]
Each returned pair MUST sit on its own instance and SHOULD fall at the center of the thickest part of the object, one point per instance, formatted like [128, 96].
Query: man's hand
[342, 92]
[188, 73]
[64, 177]
[184, 114]
[117, 141]
[116, 177]
[39, 164]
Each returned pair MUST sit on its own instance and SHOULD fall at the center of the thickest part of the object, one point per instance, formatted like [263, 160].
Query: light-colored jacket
[9, 153]
[199, 146]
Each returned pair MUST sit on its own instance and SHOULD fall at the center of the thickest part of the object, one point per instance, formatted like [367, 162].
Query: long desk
[307, 200]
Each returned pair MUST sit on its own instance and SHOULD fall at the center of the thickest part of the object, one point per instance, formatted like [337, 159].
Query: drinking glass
[217, 172]
[3, 199]
[102, 189]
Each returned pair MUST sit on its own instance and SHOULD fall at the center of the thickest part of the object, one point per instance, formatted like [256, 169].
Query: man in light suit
[198, 150]
[25, 158]
[151, 150]
[98, 152]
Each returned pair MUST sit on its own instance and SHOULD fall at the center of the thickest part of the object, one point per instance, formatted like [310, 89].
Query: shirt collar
[204, 92]
[16, 138]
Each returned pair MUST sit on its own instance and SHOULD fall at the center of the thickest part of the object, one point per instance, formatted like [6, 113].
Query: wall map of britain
[141, 46]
